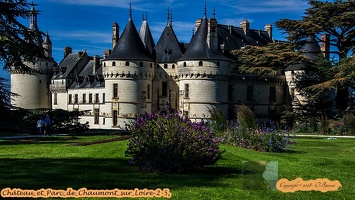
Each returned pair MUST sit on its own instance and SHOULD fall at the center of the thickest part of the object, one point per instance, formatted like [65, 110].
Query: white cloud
[256, 6]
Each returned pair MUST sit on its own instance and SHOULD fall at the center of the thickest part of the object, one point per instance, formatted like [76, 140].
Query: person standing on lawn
[40, 125]
[47, 125]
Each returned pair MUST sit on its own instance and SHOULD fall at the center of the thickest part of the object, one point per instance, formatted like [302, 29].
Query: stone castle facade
[139, 76]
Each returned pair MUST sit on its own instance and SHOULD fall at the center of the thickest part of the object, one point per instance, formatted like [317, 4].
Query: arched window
[127, 63]
[113, 63]
[184, 64]
[200, 63]
[141, 64]
[165, 66]
[173, 66]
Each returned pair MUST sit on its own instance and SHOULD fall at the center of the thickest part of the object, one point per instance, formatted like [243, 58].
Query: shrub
[218, 121]
[246, 118]
[257, 140]
[349, 122]
[170, 143]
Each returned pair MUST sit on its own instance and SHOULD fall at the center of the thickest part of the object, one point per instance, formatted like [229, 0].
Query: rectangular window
[84, 98]
[76, 99]
[90, 98]
[250, 93]
[114, 116]
[164, 89]
[148, 91]
[55, 96]
[96, 116]
[272, 95]
[97, 100]
[143, 99]
[186, 91]
[115, 90]
[70, 99]
[103, 98]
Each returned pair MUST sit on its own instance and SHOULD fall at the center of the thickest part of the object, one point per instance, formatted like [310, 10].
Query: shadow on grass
[36, 140]
[99, 174]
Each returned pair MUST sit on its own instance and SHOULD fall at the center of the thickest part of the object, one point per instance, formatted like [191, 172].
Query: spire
[130, 9]
[33, 17]
[168, 16]
[214, 12]
[205, 10]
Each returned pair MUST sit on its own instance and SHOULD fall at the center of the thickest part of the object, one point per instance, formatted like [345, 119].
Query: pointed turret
[33, 24]
[130, 45]
[168, 49]
[146, 36]
[198, 47]
[47, 45]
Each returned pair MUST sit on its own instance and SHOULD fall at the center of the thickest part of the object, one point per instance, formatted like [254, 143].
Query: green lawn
[74, 162]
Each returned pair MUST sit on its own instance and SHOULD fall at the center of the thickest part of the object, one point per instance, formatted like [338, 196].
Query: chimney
[96, 63]
[107, 52]
[268, 29]
[115, 34]
[197, 24]
[212, 38]
[245, 25]
[67, 51]
[325, 45]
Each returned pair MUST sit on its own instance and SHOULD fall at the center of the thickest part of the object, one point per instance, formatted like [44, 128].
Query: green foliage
[17, 42]
[218, 121]
[349, 122]
[246, 118]
[268, 60]
[62, 120]
[257, 140]
[170, 144]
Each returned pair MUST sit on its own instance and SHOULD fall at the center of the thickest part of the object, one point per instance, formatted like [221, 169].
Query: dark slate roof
[310, 47]
[146, 37]
[67, 64]
[198, 48]
[47, 40]
[130, 46]
[168, 49]
[235, 38]
[87, 78]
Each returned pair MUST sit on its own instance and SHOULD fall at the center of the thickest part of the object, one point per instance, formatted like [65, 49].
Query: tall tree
[335, 18]
[268, 60]
[17, 42]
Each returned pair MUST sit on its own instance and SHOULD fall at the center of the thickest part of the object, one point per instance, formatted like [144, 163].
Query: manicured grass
[54, 162]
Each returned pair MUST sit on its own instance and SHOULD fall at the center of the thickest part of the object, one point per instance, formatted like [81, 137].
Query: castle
[139, 76]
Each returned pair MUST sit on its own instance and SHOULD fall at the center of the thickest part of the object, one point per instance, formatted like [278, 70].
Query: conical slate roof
[310, 48]
[168, 49]
[47, 40]
[198, 47]
[130, 45]
[146, 37]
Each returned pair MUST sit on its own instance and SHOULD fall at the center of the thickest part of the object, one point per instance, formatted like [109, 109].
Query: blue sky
[87, 24]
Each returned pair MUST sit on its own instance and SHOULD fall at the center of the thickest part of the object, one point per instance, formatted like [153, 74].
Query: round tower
[32, 86]
[128, 73]
[203, 73]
